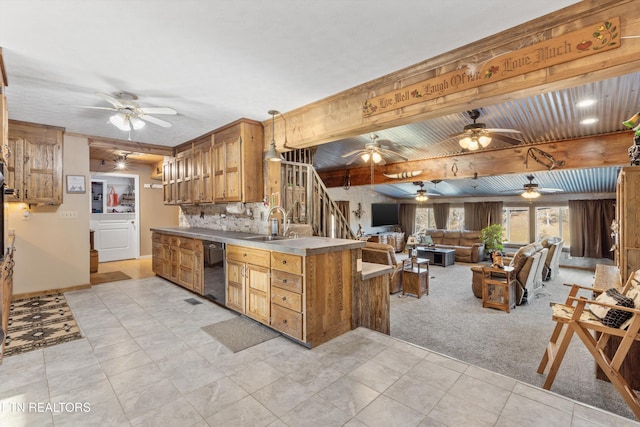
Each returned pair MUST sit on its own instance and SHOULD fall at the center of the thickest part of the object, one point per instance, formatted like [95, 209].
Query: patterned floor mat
[39, 322]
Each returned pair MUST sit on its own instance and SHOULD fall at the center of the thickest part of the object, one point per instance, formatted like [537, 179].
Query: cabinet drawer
[248, 255]
[286, 262]
[166, 239]
[186, 244]
[286, 299]
[291, 282]
[156, 238]
[286, 321]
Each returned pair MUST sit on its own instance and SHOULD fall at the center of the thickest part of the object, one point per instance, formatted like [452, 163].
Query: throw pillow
[610, 316]
[426, 240]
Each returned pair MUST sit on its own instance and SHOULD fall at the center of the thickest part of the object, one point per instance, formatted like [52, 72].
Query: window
[456, 219]
[552, 221]
[516, 224]
[425, 219]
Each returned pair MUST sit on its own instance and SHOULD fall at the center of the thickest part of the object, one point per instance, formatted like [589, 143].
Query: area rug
[112, 276]
[39, 322]
[239, 333]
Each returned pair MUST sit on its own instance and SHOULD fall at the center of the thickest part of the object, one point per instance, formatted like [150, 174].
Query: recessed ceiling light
[586, 103]
[588, 121]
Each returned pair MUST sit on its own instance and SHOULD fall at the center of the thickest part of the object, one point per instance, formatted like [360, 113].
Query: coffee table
[437, 256]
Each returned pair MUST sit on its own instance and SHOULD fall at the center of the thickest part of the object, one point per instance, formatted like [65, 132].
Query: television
[384, 214]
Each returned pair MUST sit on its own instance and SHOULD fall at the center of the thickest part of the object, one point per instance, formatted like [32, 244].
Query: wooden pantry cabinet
[178, 259]
[34, 163]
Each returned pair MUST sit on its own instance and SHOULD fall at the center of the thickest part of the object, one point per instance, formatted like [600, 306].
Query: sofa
[381, 253]
[528, 263]
[467, 244]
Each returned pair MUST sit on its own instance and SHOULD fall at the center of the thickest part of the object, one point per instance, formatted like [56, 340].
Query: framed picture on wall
[76, 184]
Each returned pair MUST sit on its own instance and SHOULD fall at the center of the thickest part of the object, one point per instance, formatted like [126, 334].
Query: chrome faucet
[285, 221]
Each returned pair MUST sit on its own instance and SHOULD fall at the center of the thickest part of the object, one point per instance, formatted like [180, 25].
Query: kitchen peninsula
[301, 287]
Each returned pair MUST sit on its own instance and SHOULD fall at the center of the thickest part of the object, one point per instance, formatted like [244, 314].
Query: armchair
[552, 262]
[526, 266]
[381, 253]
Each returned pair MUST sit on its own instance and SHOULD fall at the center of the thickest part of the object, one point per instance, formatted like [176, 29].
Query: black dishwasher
[214, 272]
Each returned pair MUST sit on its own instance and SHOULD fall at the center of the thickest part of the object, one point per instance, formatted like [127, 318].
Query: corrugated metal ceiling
[547, 117]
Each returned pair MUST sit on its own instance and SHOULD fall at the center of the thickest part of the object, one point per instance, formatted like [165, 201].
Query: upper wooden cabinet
[237, 162]
[183, 175]
[202, 178]
[34, 163]
[169, 181]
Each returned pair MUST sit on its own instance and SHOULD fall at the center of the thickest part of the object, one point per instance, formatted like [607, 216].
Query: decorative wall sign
[568, 47]
[75, 184]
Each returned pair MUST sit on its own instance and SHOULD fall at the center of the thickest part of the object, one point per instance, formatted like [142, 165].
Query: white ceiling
[215, 61]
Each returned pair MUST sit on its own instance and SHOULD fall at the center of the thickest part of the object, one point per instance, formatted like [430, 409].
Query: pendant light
[272, 155]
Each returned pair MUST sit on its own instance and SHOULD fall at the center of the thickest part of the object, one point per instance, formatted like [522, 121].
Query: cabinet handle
[284, 280]
[244, 255]
[284, 321]
[284, 261]
[284, 298]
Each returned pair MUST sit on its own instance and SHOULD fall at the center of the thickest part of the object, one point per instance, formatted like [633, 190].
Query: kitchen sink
[262, 238]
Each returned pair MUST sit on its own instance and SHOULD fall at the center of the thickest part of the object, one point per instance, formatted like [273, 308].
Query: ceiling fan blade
[154, 120]
[351, 153]
[392, 153]
[96, 108]
[111, 100]
[158, 110]
[353, 159]
[550, 190]
[507, 139]
[501, 130]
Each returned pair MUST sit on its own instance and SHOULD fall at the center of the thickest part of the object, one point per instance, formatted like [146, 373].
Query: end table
[498, 288]
[415, 277]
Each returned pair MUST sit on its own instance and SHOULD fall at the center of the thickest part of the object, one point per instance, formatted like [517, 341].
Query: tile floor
[145, 361]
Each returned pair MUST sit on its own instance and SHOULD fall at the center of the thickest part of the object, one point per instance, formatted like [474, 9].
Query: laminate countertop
[299, 246]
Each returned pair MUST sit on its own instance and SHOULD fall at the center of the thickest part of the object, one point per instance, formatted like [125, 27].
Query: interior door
[116, 239]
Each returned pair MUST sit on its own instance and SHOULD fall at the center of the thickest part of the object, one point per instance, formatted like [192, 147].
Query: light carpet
[39, 322]
[451, 321]
[111, 276]
[239, 333]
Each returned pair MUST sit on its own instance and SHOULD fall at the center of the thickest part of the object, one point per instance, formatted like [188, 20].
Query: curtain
[408, 218]
[441, 214]
[343, 206]
[480, 215]
[590, 224]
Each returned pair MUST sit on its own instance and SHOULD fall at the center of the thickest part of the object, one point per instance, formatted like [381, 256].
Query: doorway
[115, 216]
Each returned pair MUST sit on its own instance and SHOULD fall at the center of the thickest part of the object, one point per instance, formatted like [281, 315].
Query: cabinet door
[186, 268]
[198, 278]
[235, 285]
[169, 181]
[232, 169]
[218, 173]
[184, 170]
[157, 258]
[43, 171]
[258, 297]
[14, 170]
[202, 176]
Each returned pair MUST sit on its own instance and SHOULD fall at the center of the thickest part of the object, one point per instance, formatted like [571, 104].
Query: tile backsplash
[218, 217]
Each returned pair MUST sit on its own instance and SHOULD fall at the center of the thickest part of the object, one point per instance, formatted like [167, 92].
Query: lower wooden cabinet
[178, 259]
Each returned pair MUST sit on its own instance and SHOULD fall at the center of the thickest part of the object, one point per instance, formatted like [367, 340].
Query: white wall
[52, 252]
[365, 197]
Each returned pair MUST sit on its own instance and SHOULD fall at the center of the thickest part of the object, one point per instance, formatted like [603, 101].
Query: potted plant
[492, 238]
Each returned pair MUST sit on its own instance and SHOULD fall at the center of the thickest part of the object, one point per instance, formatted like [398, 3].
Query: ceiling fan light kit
[530, 194]
[476, 135]
[272, 154]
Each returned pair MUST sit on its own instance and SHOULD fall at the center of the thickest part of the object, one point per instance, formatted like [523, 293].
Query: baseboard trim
[49, 292]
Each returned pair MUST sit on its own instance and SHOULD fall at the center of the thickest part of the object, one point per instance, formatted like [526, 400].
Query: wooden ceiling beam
[341, 116]
[596, 151]
[134, 147]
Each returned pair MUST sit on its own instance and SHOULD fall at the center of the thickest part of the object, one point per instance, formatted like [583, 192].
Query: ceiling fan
[129, 114]
[421, 195]
[476, 135]
[372, 151]
[531, 190]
